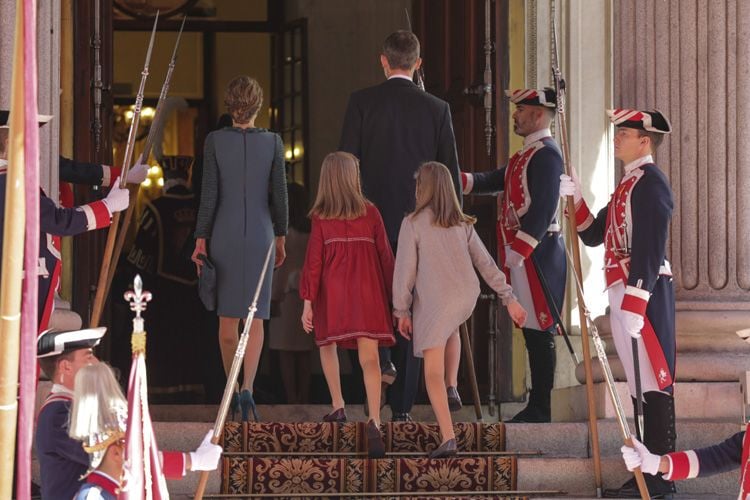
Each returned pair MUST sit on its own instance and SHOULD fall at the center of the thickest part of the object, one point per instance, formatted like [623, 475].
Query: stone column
[691, 59]
[584, 48]
[48, 61]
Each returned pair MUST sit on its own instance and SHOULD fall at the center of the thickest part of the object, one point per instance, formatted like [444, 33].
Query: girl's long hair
[435, 191]
[339, 189]
[100, 410]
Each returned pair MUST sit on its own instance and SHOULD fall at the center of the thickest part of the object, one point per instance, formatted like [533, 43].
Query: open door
[289, 97]
[464, 47]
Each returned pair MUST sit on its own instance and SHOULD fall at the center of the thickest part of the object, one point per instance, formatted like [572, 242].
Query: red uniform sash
[512, 205]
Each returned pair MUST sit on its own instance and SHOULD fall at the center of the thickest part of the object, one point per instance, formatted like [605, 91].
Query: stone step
[694, 400]
[314, 413]
[565, 448]
[575, 476]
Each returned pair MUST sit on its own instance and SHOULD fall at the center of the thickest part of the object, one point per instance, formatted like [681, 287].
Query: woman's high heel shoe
[247, 403]
[234, 405]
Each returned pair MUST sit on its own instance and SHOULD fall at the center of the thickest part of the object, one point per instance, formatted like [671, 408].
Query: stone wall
[691, 59]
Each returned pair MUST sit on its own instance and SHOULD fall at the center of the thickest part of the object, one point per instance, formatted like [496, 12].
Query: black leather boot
[659, 436]
[542, 359]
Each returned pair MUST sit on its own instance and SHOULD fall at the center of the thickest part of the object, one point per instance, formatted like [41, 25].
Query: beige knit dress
[435, 279]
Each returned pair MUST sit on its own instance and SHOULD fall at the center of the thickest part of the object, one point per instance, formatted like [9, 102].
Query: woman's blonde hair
[435, 191]
[339, 190]
[99, 414]
[243, 98]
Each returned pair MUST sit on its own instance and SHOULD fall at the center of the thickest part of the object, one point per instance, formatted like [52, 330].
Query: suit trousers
[403, 392]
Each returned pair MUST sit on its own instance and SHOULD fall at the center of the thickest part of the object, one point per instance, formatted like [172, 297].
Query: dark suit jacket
[393, 128]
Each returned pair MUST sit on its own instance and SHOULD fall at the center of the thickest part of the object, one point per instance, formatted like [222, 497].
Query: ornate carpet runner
[327, 458]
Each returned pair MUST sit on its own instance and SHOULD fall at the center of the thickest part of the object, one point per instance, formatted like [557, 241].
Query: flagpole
[29, 300]
[12, 266]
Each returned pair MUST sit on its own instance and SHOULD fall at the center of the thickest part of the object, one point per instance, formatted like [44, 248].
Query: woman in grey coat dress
[243, 170]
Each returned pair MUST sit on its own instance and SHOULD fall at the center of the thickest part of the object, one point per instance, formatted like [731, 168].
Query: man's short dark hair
[656, 138]
[401, 49]
[49, 364]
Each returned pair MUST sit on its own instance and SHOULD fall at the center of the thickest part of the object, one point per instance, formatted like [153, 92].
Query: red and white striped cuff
[109, 174]
[467, 182]
[97, 215]
[682, 465]
[173, 464]
[635, 300]
[584, 218]
[524, 244]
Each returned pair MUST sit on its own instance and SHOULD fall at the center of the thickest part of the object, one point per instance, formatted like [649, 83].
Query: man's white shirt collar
[401, 76]
[60, 389]
[643, 160]
[3, 163]
[535, 136]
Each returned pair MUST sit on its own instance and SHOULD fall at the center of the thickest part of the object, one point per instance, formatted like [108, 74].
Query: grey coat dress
[434, 280]
[243, 206]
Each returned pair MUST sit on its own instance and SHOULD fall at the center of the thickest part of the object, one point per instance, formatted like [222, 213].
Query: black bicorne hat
[650, 121]
[533, 97]
[54, 343]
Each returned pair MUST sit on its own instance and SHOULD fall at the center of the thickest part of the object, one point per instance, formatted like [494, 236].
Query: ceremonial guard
[98, 423]
[634, 227]
[731, 453]
[161, 255]
[62, 461]
[57, 221]
[93, 174]
[528, 236]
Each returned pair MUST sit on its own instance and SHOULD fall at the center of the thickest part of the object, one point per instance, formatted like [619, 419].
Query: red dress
[348, 277]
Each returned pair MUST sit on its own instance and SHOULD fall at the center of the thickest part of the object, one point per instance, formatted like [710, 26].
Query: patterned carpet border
[316, 437]
[259, 476]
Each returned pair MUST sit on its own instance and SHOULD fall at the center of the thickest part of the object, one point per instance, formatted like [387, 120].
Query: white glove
[513, 259]
[137, 172]
[117, 199]
[207, 456]
[640, 457]
[570, 186]
[633, 324]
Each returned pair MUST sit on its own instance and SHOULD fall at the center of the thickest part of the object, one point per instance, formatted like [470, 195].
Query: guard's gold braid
[103, 445]
[138, 343]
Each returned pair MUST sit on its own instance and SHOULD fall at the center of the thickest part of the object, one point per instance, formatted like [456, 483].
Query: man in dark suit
[393, 128]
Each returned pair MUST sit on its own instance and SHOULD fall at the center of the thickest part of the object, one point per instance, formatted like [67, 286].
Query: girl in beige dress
[435, 287]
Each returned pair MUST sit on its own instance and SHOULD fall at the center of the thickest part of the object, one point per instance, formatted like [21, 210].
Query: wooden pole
[157, 124]
[12, 267]
[466, 343]
[234, 371]
[101, 287]
[572, 240]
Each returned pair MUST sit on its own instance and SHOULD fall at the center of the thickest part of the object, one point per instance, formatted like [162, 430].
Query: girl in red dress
[346, 285]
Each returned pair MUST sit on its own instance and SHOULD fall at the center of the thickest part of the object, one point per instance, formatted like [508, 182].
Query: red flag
[143, 471]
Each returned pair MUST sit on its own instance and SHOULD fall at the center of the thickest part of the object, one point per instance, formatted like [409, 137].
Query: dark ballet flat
[445, 450]
[375, 444]
[454, 400]
[336, 416]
